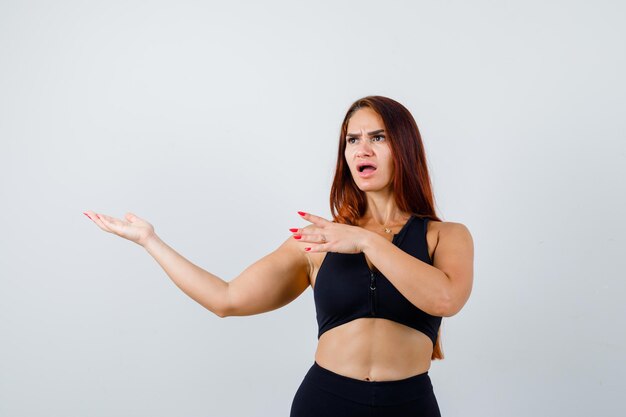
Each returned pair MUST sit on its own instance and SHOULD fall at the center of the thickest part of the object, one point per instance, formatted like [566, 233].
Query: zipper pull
[372, 281]
[373, 293]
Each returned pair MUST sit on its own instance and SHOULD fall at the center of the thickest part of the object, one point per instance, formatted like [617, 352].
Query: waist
[384, 392]
[375, 350]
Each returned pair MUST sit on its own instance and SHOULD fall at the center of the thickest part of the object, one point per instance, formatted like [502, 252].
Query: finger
[93, 216]
[316, 248]
[316, 220]
[307, 231]
[107, 223]
[112, 221]
[311, 238]
[321, 238]
[131, 217]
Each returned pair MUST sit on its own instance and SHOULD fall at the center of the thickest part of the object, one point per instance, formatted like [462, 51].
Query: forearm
[207, 289]
[422, 284]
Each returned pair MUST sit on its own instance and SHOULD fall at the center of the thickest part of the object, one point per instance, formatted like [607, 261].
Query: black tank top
[347, 289]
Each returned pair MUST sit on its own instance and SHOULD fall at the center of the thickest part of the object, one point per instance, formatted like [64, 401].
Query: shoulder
[450, 233]
[452, 239]
[451, 229]
[448, 228]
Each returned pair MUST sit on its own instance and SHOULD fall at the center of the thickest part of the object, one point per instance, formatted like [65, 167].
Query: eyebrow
[356, 135]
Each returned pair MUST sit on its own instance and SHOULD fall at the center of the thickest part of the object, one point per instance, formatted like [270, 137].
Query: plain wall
[217, 121]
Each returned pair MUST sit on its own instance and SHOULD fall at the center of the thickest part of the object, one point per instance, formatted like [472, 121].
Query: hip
[324, 392]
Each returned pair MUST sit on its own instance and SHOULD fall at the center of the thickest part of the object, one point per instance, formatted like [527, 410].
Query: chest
[317, 259]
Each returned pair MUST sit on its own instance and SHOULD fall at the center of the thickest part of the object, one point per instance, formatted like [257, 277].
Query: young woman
[384, 272]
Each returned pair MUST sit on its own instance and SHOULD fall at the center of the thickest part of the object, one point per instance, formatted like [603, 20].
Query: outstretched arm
[270, 283]
[266, 285]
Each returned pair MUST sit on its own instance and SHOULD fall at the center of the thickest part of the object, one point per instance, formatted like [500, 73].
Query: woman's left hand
[326, 236]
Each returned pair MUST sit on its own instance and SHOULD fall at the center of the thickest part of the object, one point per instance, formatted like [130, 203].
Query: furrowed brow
[358, 135]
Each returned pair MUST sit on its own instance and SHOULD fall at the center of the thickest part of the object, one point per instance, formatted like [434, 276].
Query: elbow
[447, 311]
[223, 310]
[220, 314]
[451, 302]
[220, 311]
[446, 304]
[446, 307]
[443, 308]
[449, 305]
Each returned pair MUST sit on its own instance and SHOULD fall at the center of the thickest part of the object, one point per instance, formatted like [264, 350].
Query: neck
[382, 209]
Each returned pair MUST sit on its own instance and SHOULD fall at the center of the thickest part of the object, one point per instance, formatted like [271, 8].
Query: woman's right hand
[132, 228]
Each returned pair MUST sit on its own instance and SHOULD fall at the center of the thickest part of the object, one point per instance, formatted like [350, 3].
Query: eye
[351, 140]
[378, 138]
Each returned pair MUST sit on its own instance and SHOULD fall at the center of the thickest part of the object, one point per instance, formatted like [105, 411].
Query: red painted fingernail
[297, 237]
[301, 213]
[307, 249]
[293, 230]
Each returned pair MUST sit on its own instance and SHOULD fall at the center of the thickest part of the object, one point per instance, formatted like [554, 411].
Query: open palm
[131, 227]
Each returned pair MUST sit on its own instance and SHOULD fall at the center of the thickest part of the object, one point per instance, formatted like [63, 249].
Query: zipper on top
[372, 293]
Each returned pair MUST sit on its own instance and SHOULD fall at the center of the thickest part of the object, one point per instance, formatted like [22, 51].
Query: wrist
[368, 241]
[150, 241]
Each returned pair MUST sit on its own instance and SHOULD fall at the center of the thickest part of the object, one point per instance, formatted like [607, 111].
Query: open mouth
[366, 168]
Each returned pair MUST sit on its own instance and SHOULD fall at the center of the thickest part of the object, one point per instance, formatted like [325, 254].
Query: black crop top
[346, 289]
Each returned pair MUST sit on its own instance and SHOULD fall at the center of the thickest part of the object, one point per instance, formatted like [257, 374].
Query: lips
[366, 169]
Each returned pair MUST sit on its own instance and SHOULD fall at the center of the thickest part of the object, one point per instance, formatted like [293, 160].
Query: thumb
[130, 217]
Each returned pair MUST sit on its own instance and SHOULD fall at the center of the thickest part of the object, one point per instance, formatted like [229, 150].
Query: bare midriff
[374, 349]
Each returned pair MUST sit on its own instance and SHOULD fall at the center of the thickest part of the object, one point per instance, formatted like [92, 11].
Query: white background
[217, 122]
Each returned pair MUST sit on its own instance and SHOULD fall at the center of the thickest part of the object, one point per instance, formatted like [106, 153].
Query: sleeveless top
[347, 289]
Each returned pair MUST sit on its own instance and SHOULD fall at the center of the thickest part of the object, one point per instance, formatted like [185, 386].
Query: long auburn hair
[411, 184]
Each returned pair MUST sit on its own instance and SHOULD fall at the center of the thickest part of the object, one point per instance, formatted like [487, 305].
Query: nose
[364, 149]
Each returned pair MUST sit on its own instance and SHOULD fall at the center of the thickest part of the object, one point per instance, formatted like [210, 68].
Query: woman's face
[368, 153]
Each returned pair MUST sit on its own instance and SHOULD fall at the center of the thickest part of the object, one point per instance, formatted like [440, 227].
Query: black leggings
[324, 393]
